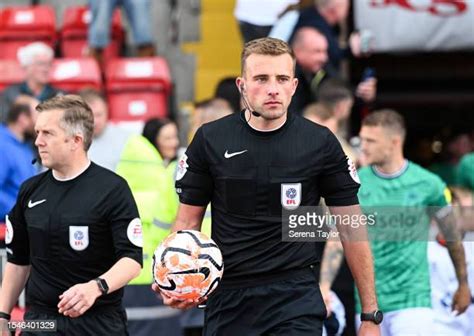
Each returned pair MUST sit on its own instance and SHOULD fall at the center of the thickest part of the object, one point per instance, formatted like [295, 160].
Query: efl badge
[134, 232]
[352, 170]
[9, 231]
[79, 237]
[182, 167]
[290, 195]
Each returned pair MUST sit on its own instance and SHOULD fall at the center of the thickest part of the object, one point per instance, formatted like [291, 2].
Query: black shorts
[110, 322]
[293, 306]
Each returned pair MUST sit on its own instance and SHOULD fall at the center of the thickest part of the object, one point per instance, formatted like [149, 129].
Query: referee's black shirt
[71, 232]
[242, 171]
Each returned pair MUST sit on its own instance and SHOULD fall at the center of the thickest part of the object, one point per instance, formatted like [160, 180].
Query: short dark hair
[387, 118]
[15, 111]
[266, 46]
[332, 91]
[77, 117]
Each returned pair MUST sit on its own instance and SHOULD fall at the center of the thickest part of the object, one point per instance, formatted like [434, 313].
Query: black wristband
[5, 316]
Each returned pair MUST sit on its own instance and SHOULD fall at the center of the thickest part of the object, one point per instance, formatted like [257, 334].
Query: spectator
[36, 59]
[109, 139]
[17, 155]
[148, 164]
[284, 27]
[310, 48]
[209, 110]
[227, 90]
[256, 17]
[138, 15]
[311, 51]
[325, 16]
[334, 105]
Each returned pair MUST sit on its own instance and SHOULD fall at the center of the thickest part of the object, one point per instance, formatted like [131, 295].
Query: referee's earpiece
[242, 92]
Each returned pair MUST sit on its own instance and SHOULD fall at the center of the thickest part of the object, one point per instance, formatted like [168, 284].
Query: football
[187, 265]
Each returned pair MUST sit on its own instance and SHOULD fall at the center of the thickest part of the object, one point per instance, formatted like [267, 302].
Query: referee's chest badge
[79, 237]
[290, 195]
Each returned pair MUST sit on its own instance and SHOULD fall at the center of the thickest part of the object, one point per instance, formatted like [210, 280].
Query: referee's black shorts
[286, 307]
[109, 322]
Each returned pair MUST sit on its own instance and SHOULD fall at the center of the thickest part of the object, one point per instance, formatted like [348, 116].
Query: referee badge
[290, 195]
[79, 237]
[182, 167]
[353, 171]
[9, 231]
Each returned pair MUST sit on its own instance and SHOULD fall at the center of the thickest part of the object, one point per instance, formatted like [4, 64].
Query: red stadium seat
[10, 73]
[137, 88]
[21, 25]
[2, 231]
[74, 74]
[74, 33]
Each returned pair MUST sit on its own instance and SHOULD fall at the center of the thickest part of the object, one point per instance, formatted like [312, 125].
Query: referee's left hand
[78, 299]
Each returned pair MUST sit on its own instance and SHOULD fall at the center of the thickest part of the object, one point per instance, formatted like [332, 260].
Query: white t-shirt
[106, 149]
[260, 12]
[443, 286]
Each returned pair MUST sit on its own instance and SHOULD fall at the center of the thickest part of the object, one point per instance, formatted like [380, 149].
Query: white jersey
[261, 12]
[443, 286]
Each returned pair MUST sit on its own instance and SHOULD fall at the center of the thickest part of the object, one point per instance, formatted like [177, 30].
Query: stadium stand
[68, 74]
[74, 74]
[21, 25]
[74, 33]
[137, 88]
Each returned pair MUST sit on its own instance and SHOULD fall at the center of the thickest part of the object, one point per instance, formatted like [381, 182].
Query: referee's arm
[14, 280]
[189, 217]
[358, 255]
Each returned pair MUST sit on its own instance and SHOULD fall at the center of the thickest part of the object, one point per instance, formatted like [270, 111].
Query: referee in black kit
[74, 236]
[247, 165]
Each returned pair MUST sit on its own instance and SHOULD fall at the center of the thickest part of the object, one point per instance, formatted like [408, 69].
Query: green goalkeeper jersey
[466, 171]
[399, 236]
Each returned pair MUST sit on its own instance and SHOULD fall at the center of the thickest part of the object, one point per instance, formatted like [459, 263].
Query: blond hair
[266, 46]
[387, 118]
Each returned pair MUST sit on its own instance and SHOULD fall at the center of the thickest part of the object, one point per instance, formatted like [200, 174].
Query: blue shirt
[15, 167]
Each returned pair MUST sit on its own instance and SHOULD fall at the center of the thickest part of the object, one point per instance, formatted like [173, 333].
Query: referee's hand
[78, 299]
[174, 303]
[4, 331]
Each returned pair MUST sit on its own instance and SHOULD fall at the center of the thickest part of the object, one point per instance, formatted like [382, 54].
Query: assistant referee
[74, 235]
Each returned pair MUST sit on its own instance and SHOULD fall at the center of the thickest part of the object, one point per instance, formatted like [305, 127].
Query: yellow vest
[152, 185]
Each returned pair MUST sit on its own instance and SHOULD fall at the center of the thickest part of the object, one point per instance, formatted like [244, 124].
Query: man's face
[340, 9]
[38, 70]
[54, 145]
[101, 114]
[312, 53]
[269, 84]
[377, 144]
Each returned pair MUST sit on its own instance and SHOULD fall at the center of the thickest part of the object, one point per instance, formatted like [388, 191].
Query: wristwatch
[376, 316]
[103, 287]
